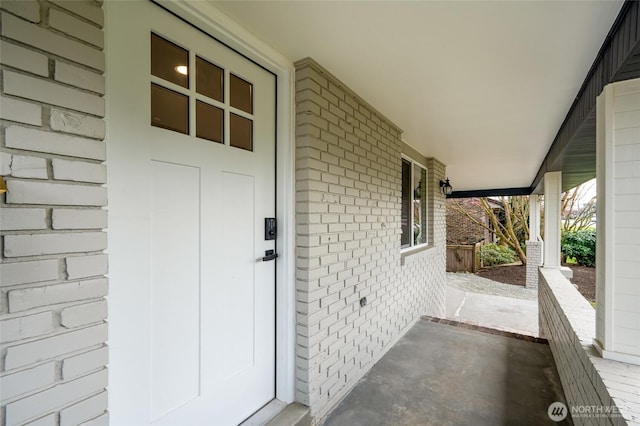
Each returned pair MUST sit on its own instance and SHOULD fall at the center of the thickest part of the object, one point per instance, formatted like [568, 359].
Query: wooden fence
[463, 258]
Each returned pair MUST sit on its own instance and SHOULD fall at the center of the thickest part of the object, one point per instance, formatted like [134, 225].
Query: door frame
[213, 21]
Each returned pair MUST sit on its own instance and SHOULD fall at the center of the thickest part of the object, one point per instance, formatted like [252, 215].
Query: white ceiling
[483, 86]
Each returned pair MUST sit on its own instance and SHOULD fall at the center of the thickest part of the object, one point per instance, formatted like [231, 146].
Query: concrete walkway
[476, 300]
[443, 375]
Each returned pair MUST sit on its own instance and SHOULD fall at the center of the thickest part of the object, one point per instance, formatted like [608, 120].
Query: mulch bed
[583, 276]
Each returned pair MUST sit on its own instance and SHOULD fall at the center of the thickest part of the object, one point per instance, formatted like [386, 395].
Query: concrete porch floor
[440, 374]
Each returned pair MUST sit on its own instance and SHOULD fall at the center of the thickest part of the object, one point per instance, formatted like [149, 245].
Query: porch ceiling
[482, 86]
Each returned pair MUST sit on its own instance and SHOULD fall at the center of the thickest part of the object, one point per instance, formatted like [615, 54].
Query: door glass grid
[185, 83]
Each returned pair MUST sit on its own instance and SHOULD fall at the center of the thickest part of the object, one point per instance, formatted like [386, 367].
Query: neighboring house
[461, 230]
[144, 277]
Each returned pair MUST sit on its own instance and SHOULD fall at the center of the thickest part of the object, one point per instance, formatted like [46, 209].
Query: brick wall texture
[348, 193]
[534, 260]
[567, 320]
[460, 229]
[52, 283]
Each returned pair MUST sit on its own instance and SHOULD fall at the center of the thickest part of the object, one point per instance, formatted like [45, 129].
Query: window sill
[411, 251]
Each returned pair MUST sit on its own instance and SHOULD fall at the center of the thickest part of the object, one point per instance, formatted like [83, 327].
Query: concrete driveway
[476, 300]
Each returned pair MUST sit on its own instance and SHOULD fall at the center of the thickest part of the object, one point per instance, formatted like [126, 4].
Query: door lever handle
[269, 255]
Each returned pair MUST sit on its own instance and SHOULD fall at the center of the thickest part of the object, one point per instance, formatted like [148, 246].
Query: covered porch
[215, 210]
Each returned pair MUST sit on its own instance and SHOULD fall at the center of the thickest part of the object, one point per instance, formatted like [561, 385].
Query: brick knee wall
[348, 194]
[53, 306]
[567, 321]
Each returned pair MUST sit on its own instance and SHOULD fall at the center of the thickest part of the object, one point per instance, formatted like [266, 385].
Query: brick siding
[534, 261]
[460, 229]
[348, 189]
[53, 307]
[567, 321]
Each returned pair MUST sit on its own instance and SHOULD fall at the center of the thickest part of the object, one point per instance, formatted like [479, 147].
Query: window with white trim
[414, 204]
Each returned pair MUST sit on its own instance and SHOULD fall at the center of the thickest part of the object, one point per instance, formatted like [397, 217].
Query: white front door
[191, 155]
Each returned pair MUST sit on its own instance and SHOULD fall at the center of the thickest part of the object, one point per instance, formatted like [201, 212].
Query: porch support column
[534, 243]
[552, 217]
[534, 217]
[618, 227]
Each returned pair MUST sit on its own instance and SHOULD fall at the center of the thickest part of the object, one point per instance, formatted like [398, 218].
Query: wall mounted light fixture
[445, 186]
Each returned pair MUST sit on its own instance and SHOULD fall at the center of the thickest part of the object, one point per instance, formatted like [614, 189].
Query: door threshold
[278, 413]
[266, 413]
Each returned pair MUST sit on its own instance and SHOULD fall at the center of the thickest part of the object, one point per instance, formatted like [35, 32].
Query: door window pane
[241, 132]
[241, 96]
[209, 79]
[169, 109]
[169, 61]
[209, 122]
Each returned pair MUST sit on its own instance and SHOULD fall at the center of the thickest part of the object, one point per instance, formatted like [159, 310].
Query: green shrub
[580, 245]
[493, 254]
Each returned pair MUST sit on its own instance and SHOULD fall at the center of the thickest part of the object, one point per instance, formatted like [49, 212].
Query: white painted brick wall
[54, 143]
[46, 91]
[27, 380]
[51, 347]
[48, 420]
[18, 110]
[78, 315]
[85, 410]
[27, 9]
[567, 320]
[79, 77]
[79, 171]
[84, 363]
[86, 266]
[30, 192]
[39, 244]
[78, 124]
[23, 166]
[54, 398]
[348, 190]
[52, 266]
[64, 22]
[26, 327]
[44, 39]
[28, 272]
[79, 218]
[26, 298]
[89, 11]
[102, 420]
[22, 219]
[24, 59]
[534, 261]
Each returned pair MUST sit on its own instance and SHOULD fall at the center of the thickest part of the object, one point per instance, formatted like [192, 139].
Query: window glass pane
[169, 109]
[241, 96]
[241, 132]
[169, 62]
[406, 204]
[209, 122]
[419, 205]
[209, 79]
